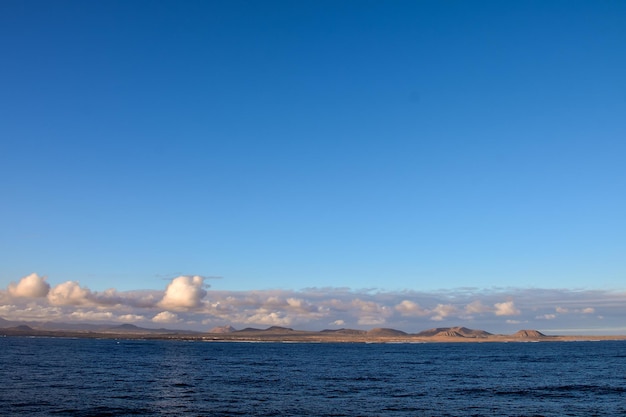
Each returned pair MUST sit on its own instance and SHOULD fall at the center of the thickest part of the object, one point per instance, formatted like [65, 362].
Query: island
[284, 334]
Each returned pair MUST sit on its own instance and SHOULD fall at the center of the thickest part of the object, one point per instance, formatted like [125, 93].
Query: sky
[314, 163]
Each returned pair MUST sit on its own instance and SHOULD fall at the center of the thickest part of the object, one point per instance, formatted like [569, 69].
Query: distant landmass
[83, 328]
[455, 332]
[279, 334]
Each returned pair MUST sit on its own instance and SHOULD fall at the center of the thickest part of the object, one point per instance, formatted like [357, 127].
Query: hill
[279, 334]
[460, 332]
[223, 329]
[344, 331]
[384, 332]
[529, 334]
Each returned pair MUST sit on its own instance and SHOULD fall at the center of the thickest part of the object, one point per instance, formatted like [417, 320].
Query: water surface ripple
[85, 377]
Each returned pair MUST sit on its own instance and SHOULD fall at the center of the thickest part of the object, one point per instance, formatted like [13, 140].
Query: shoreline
[293, 336]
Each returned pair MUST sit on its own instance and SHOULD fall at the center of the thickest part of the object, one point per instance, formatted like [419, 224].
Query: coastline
[302, 336]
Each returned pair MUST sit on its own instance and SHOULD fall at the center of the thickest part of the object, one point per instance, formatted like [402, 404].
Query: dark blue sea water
[84, 377]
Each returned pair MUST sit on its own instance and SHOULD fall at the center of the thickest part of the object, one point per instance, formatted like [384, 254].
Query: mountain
[529, 334]
[223, 329]
[249, 329]
[130, 328]
[344, 331]
[273, 329]
[275, 333]
[269, 330]
[50, 326]
[23, 328]
[454, 332]
[384, 332]
[278, 329]
[5, 323]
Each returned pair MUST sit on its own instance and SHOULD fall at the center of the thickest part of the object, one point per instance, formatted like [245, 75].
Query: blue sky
[288, 145]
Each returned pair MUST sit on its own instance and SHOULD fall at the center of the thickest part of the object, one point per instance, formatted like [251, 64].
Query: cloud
[92, 315]
[270, 318]
[263, 307]
[477, 307]
[68, 293]
[31, 312]
[112, 297]
[166, 317]
[442, 311]
[408, 308]
[30, 286]
[184, 292]
[187, 302]
[586, 310]
[131, 317]
[506, 309]
[370, 313]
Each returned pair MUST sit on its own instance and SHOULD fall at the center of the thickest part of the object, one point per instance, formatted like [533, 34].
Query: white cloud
[302, 308]
[166, 317]
[131, 317]
[477, 307]
[269, 318]
[68, 293]
[338, 323]
[184, 292]
[370, 313]
[546, 317]
[409, 308]
[91, 315]
[586, 310]
[371, 307]
[442, 311]
[371, 321]
[506, 309]
[6, 309]
[31, 311]
[30, 286]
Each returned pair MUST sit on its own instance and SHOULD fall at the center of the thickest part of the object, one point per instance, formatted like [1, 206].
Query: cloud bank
[188, 302]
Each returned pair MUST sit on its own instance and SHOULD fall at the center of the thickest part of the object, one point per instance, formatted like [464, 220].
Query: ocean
[97, 377]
